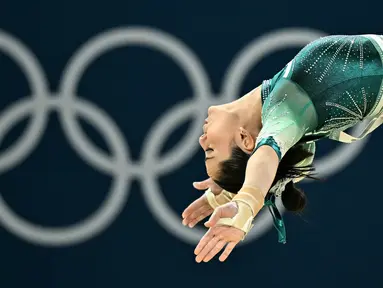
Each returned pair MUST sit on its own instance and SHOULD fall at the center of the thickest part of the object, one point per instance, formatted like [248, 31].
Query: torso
[343, 77]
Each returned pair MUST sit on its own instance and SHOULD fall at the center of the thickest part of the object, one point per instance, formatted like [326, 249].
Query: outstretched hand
[219, 236]
[206, 184]
[200, 208]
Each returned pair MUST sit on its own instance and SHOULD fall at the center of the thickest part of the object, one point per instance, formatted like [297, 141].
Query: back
[342, 75]
[331, 84]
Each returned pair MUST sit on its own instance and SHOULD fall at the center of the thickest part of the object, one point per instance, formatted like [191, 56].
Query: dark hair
[232, 171]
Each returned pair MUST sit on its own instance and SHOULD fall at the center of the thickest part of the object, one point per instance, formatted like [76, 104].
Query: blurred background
[101, 107]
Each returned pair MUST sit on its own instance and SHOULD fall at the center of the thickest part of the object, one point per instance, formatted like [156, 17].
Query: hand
[219, 236]
[208, 183]
[200, 208]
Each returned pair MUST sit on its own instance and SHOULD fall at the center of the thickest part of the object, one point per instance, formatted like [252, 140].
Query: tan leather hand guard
[220, 199]
[249, 201]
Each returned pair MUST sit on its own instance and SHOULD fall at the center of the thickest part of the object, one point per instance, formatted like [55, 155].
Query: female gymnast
[259, 146]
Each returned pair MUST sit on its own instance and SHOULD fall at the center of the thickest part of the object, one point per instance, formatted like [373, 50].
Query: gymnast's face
[221, 131]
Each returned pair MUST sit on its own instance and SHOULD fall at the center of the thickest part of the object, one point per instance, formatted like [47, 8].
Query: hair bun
[293, 198]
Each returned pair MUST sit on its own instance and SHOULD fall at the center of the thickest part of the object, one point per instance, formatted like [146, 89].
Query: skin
[235, 123]
[200, 208]
[238, 122]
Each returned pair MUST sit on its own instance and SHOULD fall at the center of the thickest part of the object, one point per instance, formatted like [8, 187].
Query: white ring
[33, 106]
[119, 164]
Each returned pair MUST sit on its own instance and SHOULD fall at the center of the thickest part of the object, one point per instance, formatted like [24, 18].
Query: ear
[245, 141]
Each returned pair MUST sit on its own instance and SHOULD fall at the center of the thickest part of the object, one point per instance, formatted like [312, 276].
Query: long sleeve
[287, 114]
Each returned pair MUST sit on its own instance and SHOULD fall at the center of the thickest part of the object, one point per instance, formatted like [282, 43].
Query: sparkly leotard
[332, 84]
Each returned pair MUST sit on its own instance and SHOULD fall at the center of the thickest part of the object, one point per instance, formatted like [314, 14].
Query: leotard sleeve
[287, 114]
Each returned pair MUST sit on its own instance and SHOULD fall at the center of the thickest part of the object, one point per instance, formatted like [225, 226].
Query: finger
[200, 217]
[227, 251]
[208, 247]
[202, 185]
[216, 249]
[214, 217]
[193, 216]
[200, 211]
[229, 210]
[204, 240]
[193, 207]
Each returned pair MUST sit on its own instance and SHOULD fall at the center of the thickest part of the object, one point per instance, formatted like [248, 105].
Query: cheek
[222, 143]
[211, 168]
[219, 132]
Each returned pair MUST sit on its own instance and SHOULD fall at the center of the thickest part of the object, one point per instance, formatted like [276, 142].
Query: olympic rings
[119, 164]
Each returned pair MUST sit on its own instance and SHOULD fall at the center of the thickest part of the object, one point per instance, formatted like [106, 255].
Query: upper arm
[287, 115]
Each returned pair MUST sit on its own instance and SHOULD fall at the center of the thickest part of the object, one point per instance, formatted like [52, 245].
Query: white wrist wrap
[220, 199]
[249, 201]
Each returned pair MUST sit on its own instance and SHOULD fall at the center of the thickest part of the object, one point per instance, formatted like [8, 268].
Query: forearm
[260, 173]
[261, 169]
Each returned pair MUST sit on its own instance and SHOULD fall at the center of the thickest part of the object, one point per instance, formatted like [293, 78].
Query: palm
[196, 211]
[219, 236]
[200, 208]
[215, 240]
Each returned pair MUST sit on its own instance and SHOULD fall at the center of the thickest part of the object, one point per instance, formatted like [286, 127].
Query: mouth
[206, 153]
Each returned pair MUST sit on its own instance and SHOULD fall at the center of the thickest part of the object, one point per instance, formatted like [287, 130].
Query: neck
[248, 111]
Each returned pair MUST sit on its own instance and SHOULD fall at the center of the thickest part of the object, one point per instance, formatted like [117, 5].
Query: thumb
[226, 211]
[202, 185]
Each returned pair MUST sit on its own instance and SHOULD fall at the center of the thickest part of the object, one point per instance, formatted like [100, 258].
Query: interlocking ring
[119, 164]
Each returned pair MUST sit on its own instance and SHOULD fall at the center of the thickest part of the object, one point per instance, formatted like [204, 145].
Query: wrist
[252, 197]
[224, 197]
[211, 199]
[243, 218]
[215, 191]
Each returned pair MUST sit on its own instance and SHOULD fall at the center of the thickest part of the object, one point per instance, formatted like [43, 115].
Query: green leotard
[332, 84]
